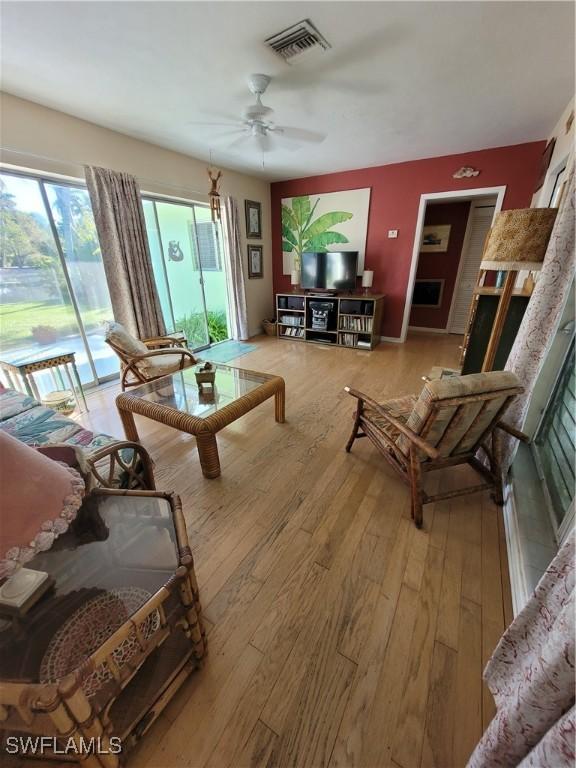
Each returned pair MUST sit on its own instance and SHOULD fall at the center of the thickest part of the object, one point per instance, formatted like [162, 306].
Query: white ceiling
[403, 80]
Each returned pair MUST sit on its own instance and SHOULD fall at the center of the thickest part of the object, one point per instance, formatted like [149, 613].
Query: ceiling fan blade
[233, 132]
[245, 136]
[210, 124]
[263, 142]
[220, 131]
[302, 135]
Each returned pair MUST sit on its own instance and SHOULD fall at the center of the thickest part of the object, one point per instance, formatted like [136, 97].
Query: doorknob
[568, 328]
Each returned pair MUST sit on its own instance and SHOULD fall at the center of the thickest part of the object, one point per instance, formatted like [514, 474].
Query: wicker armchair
[144, 360]
[447, 425]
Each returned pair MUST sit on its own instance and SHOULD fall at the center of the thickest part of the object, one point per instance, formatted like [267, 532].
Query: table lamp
[517, 241]
[295, 279]
[367, 280]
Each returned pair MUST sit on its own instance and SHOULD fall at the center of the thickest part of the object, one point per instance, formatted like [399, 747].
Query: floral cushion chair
[451, 420]
[147, 359]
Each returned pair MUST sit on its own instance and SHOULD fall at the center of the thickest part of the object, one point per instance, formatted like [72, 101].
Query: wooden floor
[339, 635]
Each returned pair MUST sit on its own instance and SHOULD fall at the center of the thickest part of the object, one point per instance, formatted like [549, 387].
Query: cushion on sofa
[119, 336]
[42, 497]
[12, 403]
[40, 425]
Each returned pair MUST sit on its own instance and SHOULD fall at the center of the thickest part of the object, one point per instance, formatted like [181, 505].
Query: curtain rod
[141, 179]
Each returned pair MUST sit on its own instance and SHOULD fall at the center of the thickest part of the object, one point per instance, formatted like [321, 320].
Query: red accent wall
[394, 202]
[441, 266]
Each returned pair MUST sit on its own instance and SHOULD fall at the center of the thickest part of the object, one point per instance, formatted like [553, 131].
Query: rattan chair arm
[118, 445]
[415, 439]
[157, 340]
[165, 351]
[512, 431]
[114, 449]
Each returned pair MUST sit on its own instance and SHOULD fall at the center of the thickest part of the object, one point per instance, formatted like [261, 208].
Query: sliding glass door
[53, 291]
[189, 269]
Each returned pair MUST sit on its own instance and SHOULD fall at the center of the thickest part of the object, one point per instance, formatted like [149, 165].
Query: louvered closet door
[478, 226]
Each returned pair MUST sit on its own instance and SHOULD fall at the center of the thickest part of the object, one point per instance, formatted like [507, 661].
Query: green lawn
[17, 320]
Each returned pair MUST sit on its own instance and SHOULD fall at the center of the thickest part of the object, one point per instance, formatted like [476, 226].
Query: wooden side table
[103, 651]
[25, 368]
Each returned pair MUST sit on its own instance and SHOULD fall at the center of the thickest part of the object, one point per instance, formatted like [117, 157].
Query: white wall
[563, 151]
[36, 138]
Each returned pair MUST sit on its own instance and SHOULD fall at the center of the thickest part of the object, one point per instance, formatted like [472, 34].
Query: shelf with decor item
[516, 242]
[351, 321]
[480, 323]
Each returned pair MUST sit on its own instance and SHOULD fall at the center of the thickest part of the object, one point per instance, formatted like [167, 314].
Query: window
[185, 245]
[558, 188]
[54, 294]
[208, 247]
[555, 442]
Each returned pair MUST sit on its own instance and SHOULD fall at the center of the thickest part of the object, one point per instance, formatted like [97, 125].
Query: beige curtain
[121, 230]
[237, 314]
[542, 318]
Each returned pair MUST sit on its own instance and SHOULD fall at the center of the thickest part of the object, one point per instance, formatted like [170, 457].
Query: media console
[345, 321]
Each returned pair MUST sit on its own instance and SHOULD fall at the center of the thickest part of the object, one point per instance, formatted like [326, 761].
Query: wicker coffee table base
[204, 430]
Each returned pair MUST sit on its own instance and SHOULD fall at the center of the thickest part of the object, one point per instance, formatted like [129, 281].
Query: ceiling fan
[256, 128]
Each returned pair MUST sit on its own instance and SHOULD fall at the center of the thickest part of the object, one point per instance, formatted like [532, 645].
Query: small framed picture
[253, 218]
[255, 265]
[435, 238]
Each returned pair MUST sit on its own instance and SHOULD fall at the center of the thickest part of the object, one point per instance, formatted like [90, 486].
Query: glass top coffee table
[177, 401]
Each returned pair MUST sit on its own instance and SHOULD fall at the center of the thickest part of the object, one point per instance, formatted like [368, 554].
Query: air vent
[296, 40]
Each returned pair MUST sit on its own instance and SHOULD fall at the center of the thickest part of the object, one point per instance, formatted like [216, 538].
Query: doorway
[450, 232]
[187, 259]
[479, 222]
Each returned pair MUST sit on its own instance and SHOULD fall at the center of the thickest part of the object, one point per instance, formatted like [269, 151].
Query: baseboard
[518, 585]
[427, 330]
[393, 339]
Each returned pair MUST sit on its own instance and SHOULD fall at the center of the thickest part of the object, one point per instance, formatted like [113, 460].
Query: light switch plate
[392, 233]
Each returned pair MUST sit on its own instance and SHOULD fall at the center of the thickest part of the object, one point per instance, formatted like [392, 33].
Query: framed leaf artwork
[334, 221]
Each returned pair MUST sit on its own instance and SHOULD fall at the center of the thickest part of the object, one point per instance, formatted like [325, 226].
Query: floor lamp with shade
[517, 241]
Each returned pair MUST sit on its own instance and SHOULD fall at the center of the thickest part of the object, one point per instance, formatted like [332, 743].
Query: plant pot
[269, 327]
[45, 334]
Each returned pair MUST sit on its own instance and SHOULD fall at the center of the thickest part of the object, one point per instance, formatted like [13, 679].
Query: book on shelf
[359, 324]
[297, 333]
[291, 320]
[348, 339]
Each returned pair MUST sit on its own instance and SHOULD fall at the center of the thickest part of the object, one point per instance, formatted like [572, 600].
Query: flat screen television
[331, 271]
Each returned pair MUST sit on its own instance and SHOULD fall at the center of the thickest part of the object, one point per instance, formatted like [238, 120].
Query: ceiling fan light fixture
[258, 84]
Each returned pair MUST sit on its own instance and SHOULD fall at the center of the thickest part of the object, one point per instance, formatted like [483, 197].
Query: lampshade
[518, 239]
[367, 278]
[295, 277]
